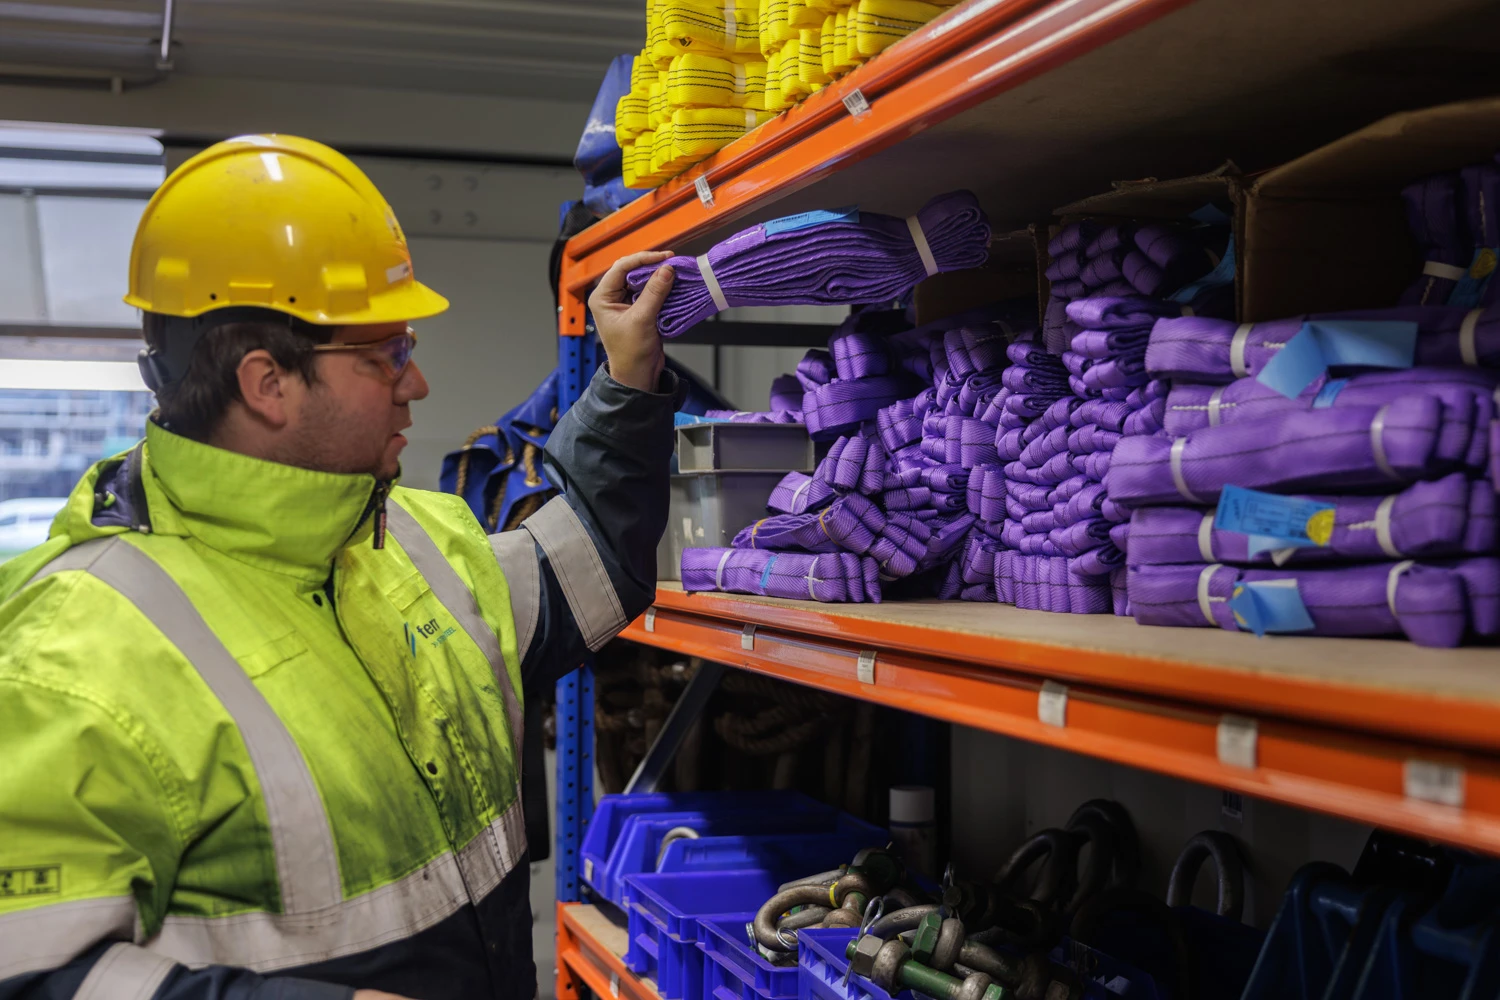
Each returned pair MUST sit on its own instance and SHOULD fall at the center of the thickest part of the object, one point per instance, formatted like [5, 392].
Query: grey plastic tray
[731, 447]
[708, 509]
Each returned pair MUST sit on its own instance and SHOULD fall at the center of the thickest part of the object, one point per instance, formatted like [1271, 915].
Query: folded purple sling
[798, 492]
[1216, 351]
[1190, 407]
[1346, 448]
[1438, 226]
[1434, 603]
[1450, 516]
[871, 258]
[833, 576]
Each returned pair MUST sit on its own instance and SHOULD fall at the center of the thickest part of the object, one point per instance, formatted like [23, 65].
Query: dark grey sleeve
[116, 970]
[584, 565]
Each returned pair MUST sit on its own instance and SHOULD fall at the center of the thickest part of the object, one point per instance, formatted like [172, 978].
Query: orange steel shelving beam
[584, 960]
[1131, 710]
[967, 56]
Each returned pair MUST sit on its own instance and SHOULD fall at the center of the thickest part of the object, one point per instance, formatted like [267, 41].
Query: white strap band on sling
[811, 580]
[1237, 350]
[711, 282]
[731, 28]
[750, 119]
[1177, 477]
[1214, 402]
[1466, 330]
[924, 250]
[1383, 528]
[740, 81]
[1205, 602]
[1448, 272]
[1377, 442]
[719, 570]
[1206, 538]
[1391, 579]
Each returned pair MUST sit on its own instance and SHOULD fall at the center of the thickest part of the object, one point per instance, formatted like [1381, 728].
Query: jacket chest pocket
[438, 686]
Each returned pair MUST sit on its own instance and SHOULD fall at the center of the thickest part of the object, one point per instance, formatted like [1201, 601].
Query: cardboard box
[1326, 231]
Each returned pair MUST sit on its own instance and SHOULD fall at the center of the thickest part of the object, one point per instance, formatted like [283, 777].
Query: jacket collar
[277, 517]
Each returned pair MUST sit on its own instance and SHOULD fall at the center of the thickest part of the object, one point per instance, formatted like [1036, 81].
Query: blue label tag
[1274, 522]
[1270, 606]
[765, 575]
[803, 220]
[1223, 274]
[1469, 290]
[1323, 344]
[1210, 215]
[1329, 393]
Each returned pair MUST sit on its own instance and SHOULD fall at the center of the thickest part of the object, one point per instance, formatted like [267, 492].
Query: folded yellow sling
[699, 81]
[697, 132]
[728, 28]
[879, 24]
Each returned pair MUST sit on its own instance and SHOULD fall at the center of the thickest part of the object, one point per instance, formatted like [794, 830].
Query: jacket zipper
[377, 500]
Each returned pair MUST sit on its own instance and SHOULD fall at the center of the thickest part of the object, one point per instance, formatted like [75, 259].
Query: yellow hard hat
[275, 222]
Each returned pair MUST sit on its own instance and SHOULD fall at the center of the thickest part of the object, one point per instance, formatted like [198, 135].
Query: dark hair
[194, 406]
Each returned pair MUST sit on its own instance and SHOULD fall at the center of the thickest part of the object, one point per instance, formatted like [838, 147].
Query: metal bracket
[865, 668]
[690, 705]
[747, 637]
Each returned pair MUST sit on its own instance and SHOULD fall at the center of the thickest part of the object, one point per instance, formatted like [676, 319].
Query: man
[259, 708]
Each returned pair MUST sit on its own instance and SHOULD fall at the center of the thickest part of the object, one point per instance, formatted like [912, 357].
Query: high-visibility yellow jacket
[245, 753]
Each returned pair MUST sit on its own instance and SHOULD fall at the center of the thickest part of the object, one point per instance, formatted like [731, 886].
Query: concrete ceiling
[551, 49]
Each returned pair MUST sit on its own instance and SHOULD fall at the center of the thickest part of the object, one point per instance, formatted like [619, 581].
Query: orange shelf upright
[968, 55]
[584, 960]
[1129, 709]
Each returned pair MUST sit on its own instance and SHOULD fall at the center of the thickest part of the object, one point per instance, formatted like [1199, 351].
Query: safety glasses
[393, 352]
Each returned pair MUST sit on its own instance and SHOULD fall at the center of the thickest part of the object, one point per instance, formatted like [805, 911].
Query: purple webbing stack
[1403, 456]
[1091, 259]
[1454, 220]
[854, 258]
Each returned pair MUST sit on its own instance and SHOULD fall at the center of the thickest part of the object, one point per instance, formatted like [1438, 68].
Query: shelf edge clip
[1238, 739]
[651, 619]
[705, 193]
[1052, 704]
[864, 669]
[747, 637]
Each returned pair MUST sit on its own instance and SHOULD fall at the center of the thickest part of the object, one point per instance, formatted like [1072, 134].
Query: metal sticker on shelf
[614, 984]
[705, 193]
[865, 669]
[651, 619]
[1237, 741]
[1429, 781]
[588, 869]
[1052, 704]
[747, 637]
[856, 104]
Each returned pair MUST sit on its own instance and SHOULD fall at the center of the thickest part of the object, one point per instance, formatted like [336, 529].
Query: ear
[267, 389]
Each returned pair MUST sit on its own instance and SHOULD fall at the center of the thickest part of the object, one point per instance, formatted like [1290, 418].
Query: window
[70, 200]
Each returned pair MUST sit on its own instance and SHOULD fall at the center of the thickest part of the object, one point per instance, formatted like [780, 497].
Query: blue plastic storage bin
[734, 970]
[821, 964]
[795, 855]
[665, 915]
[640, 840]
[614, 811]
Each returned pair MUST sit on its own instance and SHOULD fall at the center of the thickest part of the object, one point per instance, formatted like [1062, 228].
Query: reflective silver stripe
[456, 596]
[307, 864]
[1448, 272]
[45, 937]
[125, 972]
[515, 551]
[266, 942]
[571, 553]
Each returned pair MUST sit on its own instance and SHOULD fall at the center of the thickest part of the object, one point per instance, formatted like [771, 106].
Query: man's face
[351, 419]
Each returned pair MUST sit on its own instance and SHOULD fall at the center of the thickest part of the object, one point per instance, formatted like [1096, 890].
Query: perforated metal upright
[578, 357]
